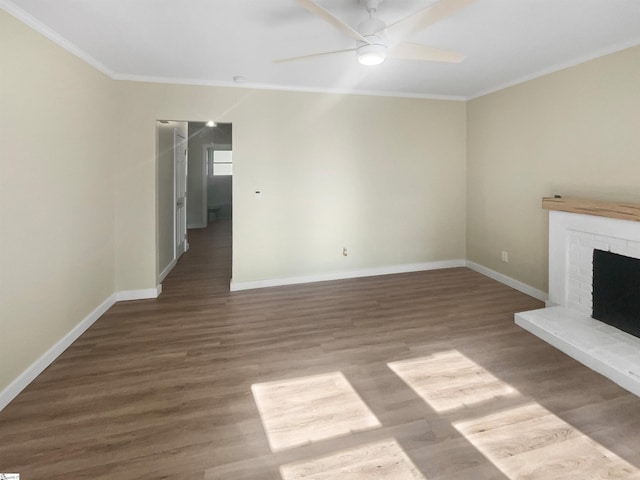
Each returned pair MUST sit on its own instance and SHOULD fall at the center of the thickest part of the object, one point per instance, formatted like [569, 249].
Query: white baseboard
[37, 367]
[144, 294]
[413, 267]
[367, 272]
[166, 271]
[26, 377]
[511, 282]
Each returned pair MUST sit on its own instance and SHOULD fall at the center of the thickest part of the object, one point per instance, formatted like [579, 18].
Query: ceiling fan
[372, 45]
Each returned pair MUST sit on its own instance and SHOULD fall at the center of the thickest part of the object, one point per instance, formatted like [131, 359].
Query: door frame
[205, 181]
[176, 143]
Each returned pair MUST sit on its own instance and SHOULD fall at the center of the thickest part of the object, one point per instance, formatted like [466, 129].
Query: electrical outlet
[344, 251]
[505, 256]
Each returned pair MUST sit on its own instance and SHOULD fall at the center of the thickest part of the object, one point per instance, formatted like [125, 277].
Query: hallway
[206, 268]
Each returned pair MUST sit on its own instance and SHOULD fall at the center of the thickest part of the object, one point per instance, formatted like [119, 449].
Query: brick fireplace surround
[576, 228]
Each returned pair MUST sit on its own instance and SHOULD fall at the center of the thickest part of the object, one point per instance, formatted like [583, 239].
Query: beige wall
[574, 133]
[384, 177]
[56, 194]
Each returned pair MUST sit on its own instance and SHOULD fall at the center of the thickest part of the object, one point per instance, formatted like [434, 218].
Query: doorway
[193, 185]
[210, 174]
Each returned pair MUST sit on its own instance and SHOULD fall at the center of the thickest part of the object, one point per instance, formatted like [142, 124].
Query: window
[219, 162]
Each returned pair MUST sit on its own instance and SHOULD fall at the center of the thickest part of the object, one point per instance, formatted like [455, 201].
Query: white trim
[556, 68]
[511, 282]
[56, 38]
[36, 368]
[367, 272]
[284, 88]
[143, 294]
[175, 200]
[167, 269]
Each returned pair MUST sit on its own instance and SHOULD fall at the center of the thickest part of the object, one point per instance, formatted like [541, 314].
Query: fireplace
[616, 291]
[593, 311]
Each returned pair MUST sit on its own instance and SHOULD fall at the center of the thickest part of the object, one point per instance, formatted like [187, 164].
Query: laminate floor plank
[417, 376]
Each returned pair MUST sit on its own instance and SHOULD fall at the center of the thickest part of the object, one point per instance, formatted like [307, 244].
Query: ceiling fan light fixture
[371, 53]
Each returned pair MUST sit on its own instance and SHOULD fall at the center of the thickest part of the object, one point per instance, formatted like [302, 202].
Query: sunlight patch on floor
[448, 380]
[530, 442]
[309, 409]
[524, 442]
[385, 460]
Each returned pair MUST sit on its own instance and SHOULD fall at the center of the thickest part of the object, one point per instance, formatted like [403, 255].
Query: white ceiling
[211, 41]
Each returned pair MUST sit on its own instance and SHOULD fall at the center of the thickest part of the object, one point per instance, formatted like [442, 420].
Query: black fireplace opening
[616, 291]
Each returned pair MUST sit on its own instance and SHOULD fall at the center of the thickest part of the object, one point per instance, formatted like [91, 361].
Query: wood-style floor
[412, 376]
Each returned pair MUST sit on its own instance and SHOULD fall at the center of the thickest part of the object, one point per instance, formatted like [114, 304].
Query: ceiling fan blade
[413, 51]
[427, 16]
[302, 57]
[327, 16]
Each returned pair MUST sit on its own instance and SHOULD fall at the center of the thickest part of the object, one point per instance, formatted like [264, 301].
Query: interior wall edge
[509, 281]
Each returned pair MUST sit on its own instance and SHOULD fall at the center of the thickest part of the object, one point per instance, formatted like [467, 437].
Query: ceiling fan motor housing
[374, 50]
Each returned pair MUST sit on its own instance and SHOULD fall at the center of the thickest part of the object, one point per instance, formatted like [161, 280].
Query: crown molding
[556, 68]
[284, 88]
[56, 38]
[49, 33]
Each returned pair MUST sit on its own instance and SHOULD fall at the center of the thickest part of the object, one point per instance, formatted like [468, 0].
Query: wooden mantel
[623, 211]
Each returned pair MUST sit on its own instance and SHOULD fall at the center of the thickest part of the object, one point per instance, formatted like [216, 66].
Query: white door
[180, 162]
